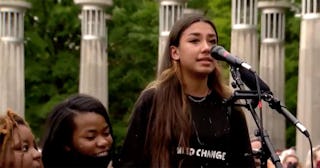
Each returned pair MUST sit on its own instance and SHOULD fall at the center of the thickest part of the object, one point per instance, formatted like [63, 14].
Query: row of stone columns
[271, 63]
[93, 68]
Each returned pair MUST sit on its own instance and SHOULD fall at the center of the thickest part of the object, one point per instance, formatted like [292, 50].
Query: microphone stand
[267, 150]
[274, 103]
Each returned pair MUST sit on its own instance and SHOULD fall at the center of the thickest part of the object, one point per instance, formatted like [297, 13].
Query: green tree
[291, 67]
[52, 37]
[133, 46]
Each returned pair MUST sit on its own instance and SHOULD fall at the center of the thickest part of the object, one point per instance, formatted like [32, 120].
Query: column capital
[188, 11]
[14, 4]
[172, 1]
[94, 2]
[273, 4]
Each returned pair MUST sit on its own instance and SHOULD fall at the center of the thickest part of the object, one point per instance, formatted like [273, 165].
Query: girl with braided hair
[17, 144]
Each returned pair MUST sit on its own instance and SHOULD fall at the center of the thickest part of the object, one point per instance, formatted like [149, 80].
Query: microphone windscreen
[249, 78]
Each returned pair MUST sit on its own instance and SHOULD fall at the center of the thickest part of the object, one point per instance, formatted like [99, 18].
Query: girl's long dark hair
[170, 121]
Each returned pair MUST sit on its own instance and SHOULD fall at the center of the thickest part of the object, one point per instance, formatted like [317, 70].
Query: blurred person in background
[257, 149]
[18, 148]
[316, 157]
[289, 158]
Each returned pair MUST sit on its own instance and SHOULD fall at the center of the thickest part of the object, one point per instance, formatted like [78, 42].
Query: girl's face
[25, 153]
[91, 135]
[193, 51]
[317, 159]
[290, 161]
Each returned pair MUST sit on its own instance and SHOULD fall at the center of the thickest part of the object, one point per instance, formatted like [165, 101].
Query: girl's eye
[194, 41]
[25, 148]
[106, 133]
[90, 138]
[213, 41]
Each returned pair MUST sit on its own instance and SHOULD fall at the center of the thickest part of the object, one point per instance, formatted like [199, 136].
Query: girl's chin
[204, 72]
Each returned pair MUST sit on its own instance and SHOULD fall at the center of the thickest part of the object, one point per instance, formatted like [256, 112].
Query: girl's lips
[105, 153]
[205, 61]
[210, 59]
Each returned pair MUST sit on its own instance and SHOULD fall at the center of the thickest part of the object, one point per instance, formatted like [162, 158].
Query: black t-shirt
[219, 136]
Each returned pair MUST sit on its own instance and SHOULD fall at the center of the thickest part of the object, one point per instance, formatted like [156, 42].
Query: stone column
[244, 39]
[12, 86]
[272, 69]
[169, 12]
[308, 109]
[94, 60]
[191, 11]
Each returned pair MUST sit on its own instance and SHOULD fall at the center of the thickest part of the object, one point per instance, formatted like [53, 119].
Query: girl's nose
[207, 44]
[36, 154]
[104, 141]
[206, 47]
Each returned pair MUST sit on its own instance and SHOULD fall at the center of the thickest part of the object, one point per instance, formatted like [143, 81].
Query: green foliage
[220, 12]
[52, 32]
[133, 46]
[291, 67]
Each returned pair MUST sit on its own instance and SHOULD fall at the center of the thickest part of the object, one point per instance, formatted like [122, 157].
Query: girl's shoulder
[144, 103]
[146, 96]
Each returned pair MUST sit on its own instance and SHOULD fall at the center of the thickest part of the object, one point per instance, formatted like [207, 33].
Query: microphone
[249, 78]
[248, 75]
[219, 53]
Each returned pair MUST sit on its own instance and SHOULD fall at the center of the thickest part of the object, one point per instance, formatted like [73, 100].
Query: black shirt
[219, 136]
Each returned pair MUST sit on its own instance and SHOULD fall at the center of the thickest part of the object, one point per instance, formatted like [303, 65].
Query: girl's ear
[174, 52]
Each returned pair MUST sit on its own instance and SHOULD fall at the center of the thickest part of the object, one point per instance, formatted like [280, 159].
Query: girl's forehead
[199, 28]
[22, 133]
[88, 118]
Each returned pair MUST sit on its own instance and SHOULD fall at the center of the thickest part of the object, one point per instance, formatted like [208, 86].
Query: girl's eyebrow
[198, 34]
[94, 130]
[19, 143]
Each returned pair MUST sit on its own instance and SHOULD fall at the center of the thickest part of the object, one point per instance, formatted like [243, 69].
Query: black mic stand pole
[274, 103]
[267, 149]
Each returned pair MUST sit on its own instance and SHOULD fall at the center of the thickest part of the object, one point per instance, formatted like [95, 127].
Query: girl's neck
[197, 87]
